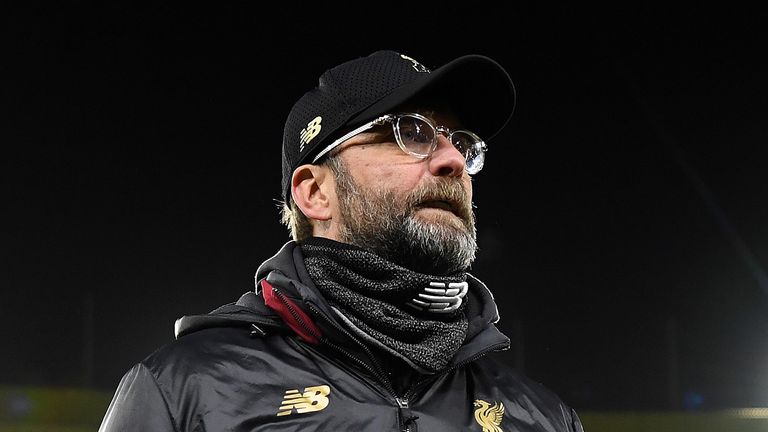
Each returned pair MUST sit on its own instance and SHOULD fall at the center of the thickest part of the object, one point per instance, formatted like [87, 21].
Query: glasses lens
[416, 135]
[473, 149]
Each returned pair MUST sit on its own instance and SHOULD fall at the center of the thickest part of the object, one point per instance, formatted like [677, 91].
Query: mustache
[450, 191]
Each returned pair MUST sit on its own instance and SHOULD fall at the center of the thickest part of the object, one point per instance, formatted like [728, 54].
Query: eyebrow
[448, 119]
[430, 114]
[367, 137]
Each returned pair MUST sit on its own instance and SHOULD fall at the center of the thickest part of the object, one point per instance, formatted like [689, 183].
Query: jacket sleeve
[576, 422]
[138, 405]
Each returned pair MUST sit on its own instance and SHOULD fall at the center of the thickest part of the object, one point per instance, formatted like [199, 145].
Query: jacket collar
[285, 271]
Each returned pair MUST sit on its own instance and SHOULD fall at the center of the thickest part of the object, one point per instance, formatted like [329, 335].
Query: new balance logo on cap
[416, 65]
[313, 399]
[309, 132]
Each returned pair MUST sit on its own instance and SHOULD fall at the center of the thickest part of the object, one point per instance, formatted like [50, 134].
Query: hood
[285, 272]
[249, 311]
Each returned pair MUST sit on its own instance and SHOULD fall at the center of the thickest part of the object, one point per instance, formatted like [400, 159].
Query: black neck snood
[372, 295]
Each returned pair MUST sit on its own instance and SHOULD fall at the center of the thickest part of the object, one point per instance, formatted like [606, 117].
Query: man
[368, 319]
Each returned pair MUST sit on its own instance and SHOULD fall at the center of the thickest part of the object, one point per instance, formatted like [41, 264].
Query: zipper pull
[256, 331]
[407, 418]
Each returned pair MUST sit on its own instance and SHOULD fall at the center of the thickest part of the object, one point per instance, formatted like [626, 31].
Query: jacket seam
[163, 394]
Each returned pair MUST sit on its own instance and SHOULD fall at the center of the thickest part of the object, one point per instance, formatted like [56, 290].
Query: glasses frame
[394, 119]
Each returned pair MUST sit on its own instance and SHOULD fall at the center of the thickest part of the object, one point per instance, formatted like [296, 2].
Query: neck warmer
[377, 300]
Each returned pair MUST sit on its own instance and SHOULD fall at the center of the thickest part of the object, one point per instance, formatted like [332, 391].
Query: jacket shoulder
[206, 347]
[195, 372]
[138, 405]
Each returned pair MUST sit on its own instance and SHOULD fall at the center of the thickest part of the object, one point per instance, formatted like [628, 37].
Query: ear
[311, 189]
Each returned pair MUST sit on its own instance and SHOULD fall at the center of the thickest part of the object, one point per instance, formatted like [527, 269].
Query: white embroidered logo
[440, 297]
[308, 133]
[416, 65]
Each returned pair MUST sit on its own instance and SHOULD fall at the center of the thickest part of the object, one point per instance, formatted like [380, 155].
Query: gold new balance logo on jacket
[313, 399]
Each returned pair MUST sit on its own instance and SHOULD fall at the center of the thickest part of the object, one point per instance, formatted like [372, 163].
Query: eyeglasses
[417, 136]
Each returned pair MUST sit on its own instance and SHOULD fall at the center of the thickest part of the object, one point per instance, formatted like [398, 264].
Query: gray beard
[379, 221]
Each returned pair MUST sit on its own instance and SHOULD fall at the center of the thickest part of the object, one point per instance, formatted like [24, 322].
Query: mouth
[439, 204]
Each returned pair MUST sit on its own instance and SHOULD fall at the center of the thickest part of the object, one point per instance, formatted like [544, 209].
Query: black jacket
[278, 360]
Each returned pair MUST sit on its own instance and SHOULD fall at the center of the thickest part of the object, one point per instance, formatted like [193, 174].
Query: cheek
[468, 186]
[387, 176]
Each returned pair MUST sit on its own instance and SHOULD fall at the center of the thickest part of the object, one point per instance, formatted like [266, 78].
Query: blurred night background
[621, 214]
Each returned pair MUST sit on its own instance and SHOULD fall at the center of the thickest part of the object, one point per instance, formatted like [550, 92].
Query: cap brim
[479, 91]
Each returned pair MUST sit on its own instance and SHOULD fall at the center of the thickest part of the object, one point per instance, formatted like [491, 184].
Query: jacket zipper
[482, 353]
[406, 418]
[374, 371]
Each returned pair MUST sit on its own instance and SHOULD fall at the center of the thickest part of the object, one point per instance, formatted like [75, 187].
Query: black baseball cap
[478, 89]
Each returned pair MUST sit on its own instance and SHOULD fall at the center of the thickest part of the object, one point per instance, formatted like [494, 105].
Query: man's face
[415, 212]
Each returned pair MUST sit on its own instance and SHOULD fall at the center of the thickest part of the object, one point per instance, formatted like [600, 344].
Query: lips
[439, 204]
[444, 194]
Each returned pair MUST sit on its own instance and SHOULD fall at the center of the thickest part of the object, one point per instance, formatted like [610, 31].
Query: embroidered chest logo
[309, 132]
[313, 399]
[489, 416]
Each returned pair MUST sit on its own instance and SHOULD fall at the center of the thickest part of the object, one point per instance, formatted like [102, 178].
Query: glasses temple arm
[350, 134]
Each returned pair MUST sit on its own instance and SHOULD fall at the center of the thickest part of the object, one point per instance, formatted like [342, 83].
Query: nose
[446, 160]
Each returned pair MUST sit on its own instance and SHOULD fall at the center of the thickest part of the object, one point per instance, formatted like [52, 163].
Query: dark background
[621, 214]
